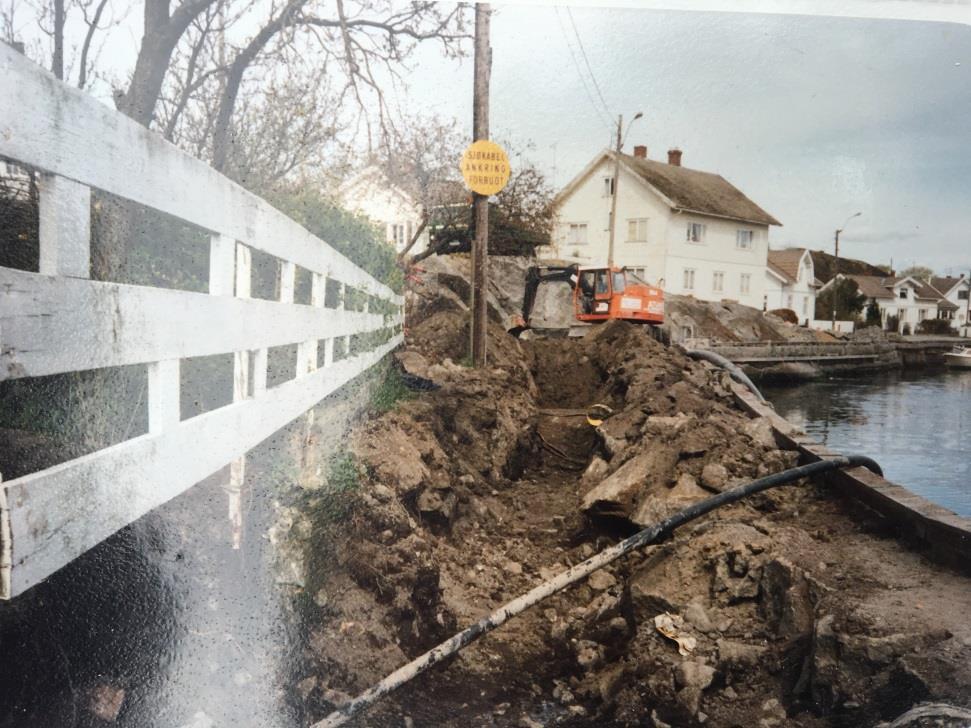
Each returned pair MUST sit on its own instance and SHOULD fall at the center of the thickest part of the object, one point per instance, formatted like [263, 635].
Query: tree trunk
[162, 34]
[221, 141]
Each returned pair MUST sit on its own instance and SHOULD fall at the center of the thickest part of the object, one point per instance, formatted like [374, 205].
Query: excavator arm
[534, 276]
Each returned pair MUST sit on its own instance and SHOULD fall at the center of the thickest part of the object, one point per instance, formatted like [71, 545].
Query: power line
[587, 62]
[583, 79]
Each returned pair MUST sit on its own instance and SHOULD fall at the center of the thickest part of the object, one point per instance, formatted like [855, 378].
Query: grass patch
[390, 390]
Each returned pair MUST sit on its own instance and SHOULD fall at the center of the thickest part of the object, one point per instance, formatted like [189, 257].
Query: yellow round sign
[485, 167]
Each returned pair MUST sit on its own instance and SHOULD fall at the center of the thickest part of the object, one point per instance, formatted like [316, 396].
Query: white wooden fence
[57, 320]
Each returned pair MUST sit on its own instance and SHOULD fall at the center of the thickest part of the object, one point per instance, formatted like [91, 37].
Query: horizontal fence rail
[58, 321]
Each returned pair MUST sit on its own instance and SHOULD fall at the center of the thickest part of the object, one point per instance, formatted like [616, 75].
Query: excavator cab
[599, 294]
[603, 294]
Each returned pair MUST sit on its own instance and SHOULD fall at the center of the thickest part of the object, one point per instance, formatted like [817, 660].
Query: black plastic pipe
[559, 582]
[734, 371]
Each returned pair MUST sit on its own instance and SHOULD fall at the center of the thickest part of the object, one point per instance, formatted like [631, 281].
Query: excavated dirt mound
[790, 608]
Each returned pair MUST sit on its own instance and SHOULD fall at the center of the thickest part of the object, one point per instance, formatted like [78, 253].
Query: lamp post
[613, 200]
[836, 266]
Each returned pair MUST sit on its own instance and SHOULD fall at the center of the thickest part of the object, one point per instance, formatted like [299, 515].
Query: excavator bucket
[517, 325]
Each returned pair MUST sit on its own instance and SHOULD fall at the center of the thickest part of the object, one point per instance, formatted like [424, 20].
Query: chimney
[640, 151]
[674, 157]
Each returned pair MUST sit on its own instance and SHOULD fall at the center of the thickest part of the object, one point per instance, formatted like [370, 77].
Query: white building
[910, 299]
[956, 291]
[791, 282]
[371, 193]
[690, 232]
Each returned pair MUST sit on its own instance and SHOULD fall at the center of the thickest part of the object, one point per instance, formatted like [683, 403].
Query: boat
[959, 358]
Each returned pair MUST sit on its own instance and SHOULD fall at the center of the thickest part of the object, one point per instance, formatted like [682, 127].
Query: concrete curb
[947, 534]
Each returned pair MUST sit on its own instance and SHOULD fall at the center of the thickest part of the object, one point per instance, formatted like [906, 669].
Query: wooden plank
[55, 128]
[50, 324]
[163, 395]
[222, 265]
[65, 227]
[57, 514]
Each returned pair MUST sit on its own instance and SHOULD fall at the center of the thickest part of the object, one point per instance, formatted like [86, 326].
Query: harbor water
[916, 424]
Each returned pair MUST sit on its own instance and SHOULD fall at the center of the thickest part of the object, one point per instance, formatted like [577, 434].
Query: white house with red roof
[791, 282]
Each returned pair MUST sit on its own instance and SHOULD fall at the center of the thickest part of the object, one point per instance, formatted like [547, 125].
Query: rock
[773, 714]
[714, 476]
[786, 603]
[437, 504]
[526, 722]
[596, 471]
[733, 654]
[609, 682]
[306, 686]
[513, 567]
[589, 654]
[617, 494]
[382, 492]
[601, 580]
[696, 615]
[760, 430]
[694, 674]
[732, 581]
[647, 598]
[106, 702]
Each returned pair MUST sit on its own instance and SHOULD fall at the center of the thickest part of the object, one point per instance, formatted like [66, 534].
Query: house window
[398, 235]
[689, 279]
[637, 273]
[921, 314]
[718, 281]
[577, 233]
[789, 301]
[962, 295]
[903, 293]
[637, 230]
[743, 239]
[608, 186]
[805, 305]
[744, 283]
[696, 232]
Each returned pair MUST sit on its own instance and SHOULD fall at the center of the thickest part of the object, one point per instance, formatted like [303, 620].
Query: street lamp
[613, 202]
[836, 266]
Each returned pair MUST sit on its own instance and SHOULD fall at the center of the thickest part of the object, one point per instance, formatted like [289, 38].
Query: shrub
[939, 327]
[906, 330]
[893, 322]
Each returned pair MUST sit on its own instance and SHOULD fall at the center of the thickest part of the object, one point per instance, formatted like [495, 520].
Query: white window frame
[572, 230]
[718, 281]
[608, 186]
[689, 279]
[744, 239]
[695, 233]
[640, 229]
[745, 283]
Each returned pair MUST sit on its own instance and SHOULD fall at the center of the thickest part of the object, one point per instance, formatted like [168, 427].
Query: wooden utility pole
[480, 131]
[613, 193]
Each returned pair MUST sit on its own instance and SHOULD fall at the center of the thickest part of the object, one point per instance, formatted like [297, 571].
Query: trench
[754, 580]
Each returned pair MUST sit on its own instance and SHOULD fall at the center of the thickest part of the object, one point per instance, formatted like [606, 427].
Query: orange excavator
[599, 294]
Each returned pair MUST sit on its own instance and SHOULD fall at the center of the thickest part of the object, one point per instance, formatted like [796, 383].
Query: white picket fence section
[57, 320]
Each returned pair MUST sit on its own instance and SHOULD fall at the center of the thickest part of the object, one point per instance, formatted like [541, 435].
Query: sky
[814, 118]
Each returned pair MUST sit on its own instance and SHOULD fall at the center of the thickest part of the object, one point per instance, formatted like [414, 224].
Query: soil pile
[785, 609]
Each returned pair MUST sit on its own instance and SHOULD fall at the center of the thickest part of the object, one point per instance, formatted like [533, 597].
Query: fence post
[307, 350]
[163, 395]
[241, 381]
[222, 265]
[65, 227]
